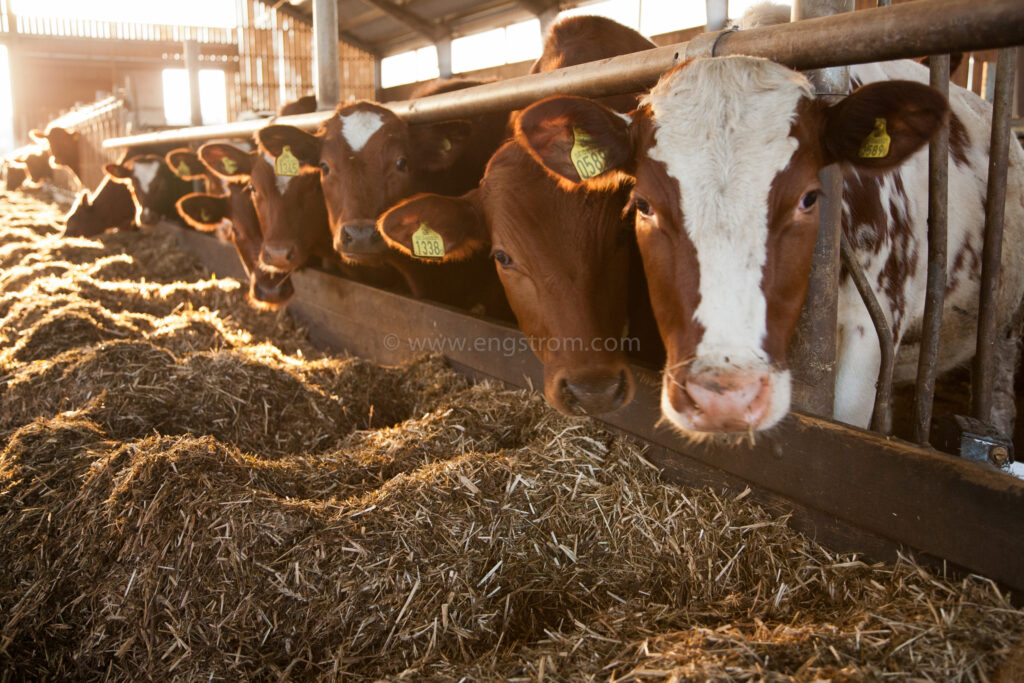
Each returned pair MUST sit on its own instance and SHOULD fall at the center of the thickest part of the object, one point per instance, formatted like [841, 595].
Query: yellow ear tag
[426, 243]
[876, 144]
[229, 165]
[588, 159]
[183, 169]
[204, 215]
[286, 163]
[446, 145]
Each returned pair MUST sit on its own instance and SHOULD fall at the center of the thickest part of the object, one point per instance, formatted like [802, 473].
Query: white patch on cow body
[145, 172]
[723, 132]
[359, 126]
[280, 180]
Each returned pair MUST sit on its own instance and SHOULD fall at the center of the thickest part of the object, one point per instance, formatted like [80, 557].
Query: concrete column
[191, 50]
[718, 15]
[444, 57]
[325, 33]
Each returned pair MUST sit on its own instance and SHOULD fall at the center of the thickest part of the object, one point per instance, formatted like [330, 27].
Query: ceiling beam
[434, 32]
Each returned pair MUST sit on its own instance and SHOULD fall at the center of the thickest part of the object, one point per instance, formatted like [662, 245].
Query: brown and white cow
[563, 255]
[110, 206]
[725, 155]
[154, 186]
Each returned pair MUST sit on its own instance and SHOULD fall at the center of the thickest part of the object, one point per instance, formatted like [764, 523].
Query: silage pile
[188, 492]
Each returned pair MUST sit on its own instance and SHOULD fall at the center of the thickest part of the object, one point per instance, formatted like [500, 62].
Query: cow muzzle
[721, 401]
[278, 258]
[591, 392]
[359, 240]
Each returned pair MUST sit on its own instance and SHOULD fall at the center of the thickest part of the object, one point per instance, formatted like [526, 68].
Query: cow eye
[402, 164]
[324, 168]
[503, 259]
[643, 206]
[808, 200]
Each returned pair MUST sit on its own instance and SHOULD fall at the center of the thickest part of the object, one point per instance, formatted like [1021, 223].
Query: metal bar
[444, 57]
[938, 186]
[984, 360]
[325, 32]
[190, 49]
[881, 419]
[903, 31]
[812, 354]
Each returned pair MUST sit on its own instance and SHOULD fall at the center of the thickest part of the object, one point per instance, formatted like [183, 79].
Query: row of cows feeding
[694, 206]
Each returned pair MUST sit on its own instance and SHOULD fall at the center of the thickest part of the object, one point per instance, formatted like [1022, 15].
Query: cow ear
[38, 135]
[881, 124]
[436, 146]
[185, 163]
[227, 161]
[118, 172]
[434, 228]
[304, 146]
[577, 140]
[203, 211]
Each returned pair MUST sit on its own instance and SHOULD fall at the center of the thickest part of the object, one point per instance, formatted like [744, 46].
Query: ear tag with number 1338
[426, 243]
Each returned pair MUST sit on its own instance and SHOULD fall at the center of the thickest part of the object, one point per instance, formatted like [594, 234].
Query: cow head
[36, 164]
[562, 256]
[368, 160]
[234, 217]
[81, 220]
[725, 154]
[152, 184]
[63, 145]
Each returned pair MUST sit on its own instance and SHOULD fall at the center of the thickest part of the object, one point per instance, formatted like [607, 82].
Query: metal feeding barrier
[850, 489]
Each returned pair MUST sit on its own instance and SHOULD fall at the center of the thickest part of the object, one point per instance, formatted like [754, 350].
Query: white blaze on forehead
[722, 128]
[282, 180]
[145, 172]
[359, 126]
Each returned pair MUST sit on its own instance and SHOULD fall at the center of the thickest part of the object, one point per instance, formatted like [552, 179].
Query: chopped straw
[189, 491]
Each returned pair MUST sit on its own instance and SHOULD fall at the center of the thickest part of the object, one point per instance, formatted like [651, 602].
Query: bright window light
[409, 67]
[215, 13]
[6, 110]
[662, 16]
[212, 97]
[478, 51]
[522, 41]
[626, 12]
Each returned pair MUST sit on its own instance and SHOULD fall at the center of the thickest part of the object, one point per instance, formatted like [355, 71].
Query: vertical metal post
[547, 17]
[718, 14]
[325, 57]
[813, 352]
[191, 52]
[444, 57]
[376, 78]
[938, 174]
[984, 361]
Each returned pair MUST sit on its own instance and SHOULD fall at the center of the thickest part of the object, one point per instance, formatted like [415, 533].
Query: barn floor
[188, 491]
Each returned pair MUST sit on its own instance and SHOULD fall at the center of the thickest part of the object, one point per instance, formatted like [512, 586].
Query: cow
[303, 105]
[566, 258]
[110, 206]
[14, 175]
[153, 185]
[35, 161]
[233, 217]
[725, 154]
[63, 145]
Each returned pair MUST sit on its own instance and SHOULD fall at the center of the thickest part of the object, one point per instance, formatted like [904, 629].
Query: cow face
[368, 160]
[290, 207]
[63, 145]
[111, 206]
[562, 256]
[37, 165]
[234, 218]
[153, 185]
[725, 154]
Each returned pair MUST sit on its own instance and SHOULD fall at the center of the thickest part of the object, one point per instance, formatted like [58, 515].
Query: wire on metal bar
[938, 176]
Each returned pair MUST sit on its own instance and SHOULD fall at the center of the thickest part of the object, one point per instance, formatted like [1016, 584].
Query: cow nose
[595, 393]
[359, 238]
[729, 402]
[278, 257]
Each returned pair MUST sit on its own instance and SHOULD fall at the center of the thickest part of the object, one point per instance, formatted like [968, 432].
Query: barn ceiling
[387, 27]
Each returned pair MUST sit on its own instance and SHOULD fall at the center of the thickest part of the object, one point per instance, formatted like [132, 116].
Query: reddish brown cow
[567, 258]
[233, 217]
[36, 162]
[303, 105]
[110, 206]
[63, 146]
[187, 165]
[153, 185]
[14, 175]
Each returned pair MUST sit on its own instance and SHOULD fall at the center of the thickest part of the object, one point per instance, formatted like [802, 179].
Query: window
[409, 67]
[212, 97]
